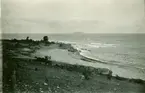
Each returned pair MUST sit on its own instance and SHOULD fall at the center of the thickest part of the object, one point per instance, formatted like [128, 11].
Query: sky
[68, 16]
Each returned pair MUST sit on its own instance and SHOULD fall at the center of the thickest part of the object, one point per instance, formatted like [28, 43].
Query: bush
[27, 38]
[45, 38]
[139, 81]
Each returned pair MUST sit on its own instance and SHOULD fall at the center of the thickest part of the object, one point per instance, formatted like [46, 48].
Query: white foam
[67, 42]
[99, 45]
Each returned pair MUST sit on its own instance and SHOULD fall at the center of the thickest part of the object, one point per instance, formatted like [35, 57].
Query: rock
[45, 84]
[41, 90]
[57, 87]
[114, 89]
[104, 71]
[118, 84]
[82, 77]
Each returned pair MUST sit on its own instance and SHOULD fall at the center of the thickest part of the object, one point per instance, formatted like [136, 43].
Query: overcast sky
[67, 16]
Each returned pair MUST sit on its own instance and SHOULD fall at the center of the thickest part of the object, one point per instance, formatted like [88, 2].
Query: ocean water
[122, 50]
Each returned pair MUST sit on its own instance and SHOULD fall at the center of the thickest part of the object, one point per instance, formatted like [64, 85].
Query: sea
[125, 51]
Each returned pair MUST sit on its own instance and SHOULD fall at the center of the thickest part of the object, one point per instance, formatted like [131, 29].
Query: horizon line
[73, 33]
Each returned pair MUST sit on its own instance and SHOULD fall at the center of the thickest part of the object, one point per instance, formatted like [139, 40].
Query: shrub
[45, 38]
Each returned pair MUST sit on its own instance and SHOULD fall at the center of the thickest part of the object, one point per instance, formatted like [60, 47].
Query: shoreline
[23, 53]
[70, 48]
